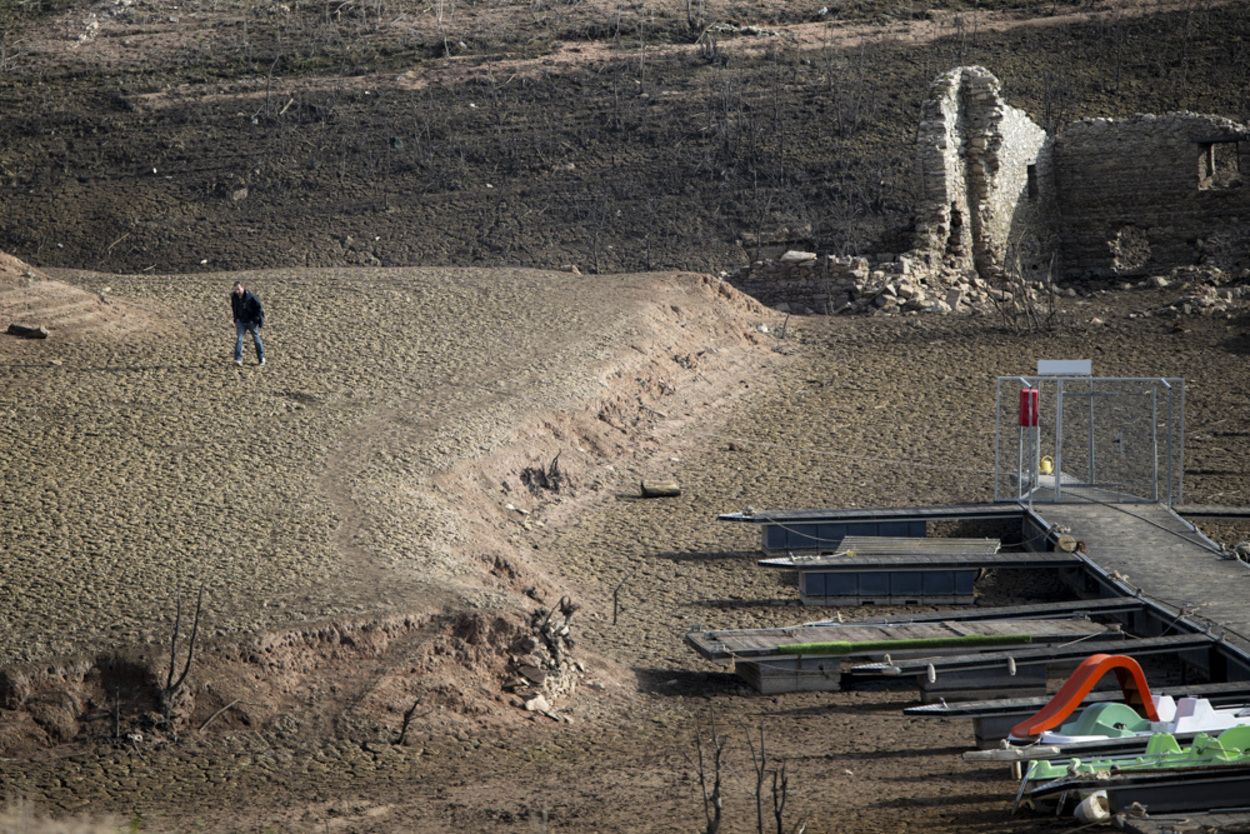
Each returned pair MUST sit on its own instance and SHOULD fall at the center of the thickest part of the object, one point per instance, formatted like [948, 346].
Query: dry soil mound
[29, 297]
[380, 472]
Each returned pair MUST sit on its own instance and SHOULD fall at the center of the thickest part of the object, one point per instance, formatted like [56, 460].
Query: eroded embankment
[472, 429]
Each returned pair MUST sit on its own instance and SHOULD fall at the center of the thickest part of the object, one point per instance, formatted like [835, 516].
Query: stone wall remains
[1140, 196]
[942, 212]
[1004, 210]
[986, 178]
[800, 282]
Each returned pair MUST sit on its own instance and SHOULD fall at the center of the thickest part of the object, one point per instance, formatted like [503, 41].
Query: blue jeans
[249, 327]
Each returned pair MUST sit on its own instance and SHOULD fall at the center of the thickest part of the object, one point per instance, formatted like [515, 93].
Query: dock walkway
[1152, 548]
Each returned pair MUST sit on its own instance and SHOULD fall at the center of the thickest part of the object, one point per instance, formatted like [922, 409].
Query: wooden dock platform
[737, 644]
[893, 570]
[838, 563]
[1077, 608]
[1211, 511]
[1215, 822]
[760, 659]
[1187, 598]
[868, 546]
[937, 512]
[1151, 548]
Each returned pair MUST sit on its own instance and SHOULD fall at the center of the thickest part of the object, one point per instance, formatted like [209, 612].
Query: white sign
[1065, 367]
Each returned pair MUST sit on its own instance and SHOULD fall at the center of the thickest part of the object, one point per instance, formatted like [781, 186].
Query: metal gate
[1117, 439]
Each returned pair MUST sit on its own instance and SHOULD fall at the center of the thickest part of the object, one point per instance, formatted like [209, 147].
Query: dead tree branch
[218, 713]
[760, 760]
[173, 686]
[781, 792]
[403, 728]
[710, 783]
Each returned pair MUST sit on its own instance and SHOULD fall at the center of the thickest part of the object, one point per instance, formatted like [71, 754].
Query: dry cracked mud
[838, 412]
[356, 510]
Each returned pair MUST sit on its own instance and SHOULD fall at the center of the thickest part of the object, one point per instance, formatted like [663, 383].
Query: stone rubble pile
[1206, 290]
[802, 282]
[917, 282]
[541, 665]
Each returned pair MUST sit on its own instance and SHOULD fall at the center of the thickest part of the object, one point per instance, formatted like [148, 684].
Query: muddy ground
[841, 412]
[358, 511]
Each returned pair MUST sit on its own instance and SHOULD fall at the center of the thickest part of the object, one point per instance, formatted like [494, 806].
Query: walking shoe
[262, 362]
[239, 362]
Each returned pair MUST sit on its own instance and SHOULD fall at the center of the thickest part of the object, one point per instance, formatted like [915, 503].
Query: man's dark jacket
[247, 308]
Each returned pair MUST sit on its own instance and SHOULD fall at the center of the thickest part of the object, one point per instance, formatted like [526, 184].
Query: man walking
[249, 317]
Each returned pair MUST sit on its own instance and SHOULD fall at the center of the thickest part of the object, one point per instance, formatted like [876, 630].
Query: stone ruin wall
[1136, 197]
[1016, 203]
[943, 197]
[1103, 198]
[800, 282]
[980, 206]
[1133, 197]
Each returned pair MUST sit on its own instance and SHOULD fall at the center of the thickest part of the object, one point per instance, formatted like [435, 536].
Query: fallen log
[25, 331]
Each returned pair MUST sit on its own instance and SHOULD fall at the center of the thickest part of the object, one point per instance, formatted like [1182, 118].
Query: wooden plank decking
[1211, 511]
[1152, 548]
[1229, 822]
[827, 563]
[1033, 611]
[917, 546]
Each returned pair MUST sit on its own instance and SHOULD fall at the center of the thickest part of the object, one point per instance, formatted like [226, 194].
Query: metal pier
[1150, 550]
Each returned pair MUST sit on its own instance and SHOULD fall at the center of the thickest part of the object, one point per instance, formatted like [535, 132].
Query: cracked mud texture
[858, 412]
[585, 133]
[139, 467]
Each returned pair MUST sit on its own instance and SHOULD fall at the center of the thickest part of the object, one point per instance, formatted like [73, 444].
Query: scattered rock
[533, 674]
[659, 489]
[794, 256]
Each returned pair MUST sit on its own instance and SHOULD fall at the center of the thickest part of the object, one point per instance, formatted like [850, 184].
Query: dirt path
[338, 483]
